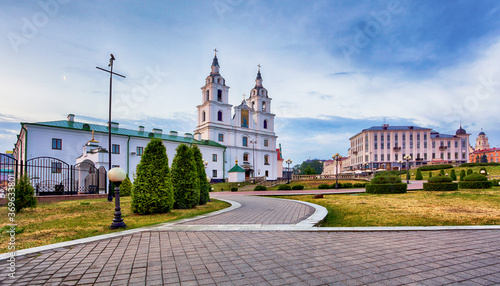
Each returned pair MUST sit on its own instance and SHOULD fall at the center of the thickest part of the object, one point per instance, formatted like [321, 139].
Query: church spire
[258, 79]
[215, 64]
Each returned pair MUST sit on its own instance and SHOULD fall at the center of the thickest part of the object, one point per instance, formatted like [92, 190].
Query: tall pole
[111, 73]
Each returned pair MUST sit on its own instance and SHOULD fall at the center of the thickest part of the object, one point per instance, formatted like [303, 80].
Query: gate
[49, 176]
[8, 170]
[87, 179]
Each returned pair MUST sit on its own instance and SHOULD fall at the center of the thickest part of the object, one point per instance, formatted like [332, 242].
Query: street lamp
[116, 176]
[288, 171]
[407, 159]
[337, 158]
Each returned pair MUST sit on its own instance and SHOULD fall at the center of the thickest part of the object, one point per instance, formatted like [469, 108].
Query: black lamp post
[407, 159]
[288, 170]
[337, 158]
[117, 175]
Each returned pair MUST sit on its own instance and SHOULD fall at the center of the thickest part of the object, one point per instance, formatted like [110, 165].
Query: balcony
[396, 149]
[442, 148]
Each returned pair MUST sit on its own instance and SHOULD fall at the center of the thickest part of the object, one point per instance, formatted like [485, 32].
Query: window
[418, 144]
[219, 115]
[381, 157]
[404, 137]
[456, 155]
[396, 136]
[375, 145]
[267, 173]
[411, 136]
[463, 143]
[266, 159]
[433, 155]
[375, 137]
[115, 149]
[245, 141]
[433, 144]
[381, 145]
[388, 145]
[463, 155]
[425, 156]
[425, 136]
[265, 124]
[388, 157]
[266, 143]
[115, 166]
[139, 150]
[456, 144]
[263, 106]
[56, 167]
[214, 173]
[214, 157]
[245, 157]
[449, 144]
[219, 95]
[375, 158]
[388, 137]
[449, 156]
[208, 95]
[418, 136]
[442, 155]
[221, 137]
[56, 144]
[203, 116]
[425, 144]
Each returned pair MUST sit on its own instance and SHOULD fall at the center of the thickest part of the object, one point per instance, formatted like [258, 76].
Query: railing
[332, 177]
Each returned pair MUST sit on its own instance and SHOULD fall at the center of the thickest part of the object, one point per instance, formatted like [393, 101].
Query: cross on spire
[216, 51]
[258, 66]
[244, 97]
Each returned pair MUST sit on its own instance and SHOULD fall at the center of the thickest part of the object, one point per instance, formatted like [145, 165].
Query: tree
[202, 176]
[126, 187]
[484, 159]
[430, 174]
[453, 175]
[308, 170]
[408, 176]
[152, 189]
[469, 171]
[441, 172]
[185, 179]
[316, 165]
[25, 194]
[462, 175]
[419, 176]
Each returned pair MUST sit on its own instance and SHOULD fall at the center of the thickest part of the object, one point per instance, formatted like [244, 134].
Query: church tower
[260, 103]
[482, 142]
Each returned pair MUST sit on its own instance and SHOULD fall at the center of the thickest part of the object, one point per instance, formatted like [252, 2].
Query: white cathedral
[248, 133]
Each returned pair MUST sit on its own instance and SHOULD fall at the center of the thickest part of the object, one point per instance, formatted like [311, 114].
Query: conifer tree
[152, 189]
[25, 194]
[462, 175]
[419, 176]
[202, 176]
[453, 175]
[441, 172]
[430, 174]
[126, 187]
[185, 179]
[469, 172]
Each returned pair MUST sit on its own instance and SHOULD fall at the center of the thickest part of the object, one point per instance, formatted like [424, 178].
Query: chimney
[141, 128]
[173, 133]
[71, 118]
[114, 124]
[157, 131]
[188, 135]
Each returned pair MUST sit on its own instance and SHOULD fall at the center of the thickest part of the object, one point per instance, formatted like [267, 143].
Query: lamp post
[400, 162]
[111, 73]
[337, 158]
[253, 157]
[117, 175]
[288, 169]
[407, 159]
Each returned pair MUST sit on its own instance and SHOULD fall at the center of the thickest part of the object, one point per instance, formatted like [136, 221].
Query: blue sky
[332, 68]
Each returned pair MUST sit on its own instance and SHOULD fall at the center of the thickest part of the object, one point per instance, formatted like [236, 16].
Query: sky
[332, 68]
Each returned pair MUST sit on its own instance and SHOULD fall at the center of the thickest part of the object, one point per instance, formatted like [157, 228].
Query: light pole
[337, 158]
[111, 73]
[288, 169]
[253, 158]
[407, 159]
[117, 175]
[400, 165]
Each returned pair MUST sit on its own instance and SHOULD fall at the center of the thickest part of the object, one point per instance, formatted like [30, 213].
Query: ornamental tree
[185, 179]
[25, 194]
[202, 176]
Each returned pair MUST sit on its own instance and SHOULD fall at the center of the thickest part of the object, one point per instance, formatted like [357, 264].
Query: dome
[461, 131]
[481, 133]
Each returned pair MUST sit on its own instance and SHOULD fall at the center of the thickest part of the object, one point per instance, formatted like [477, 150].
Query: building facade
[384, 147]
[481, 142]
[482, 152]
[248, 133]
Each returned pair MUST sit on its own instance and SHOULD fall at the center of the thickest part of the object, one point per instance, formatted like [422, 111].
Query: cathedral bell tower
[260, 103]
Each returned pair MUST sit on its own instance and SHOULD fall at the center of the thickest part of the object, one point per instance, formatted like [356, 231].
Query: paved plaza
[267, 243]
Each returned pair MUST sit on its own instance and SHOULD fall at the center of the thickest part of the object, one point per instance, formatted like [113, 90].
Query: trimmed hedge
[485, 171]
[475, 185]
[495, 182]
[479, 164]
[475, 177]
[298, 187]
[324, 186]
[435, 167]
[332, 186]
[440, 179]
[260, 188]
[388, 179]
[453, 175]
[284, 188]
[359, 185]
[234, 189]
[398, 188]
[419, 176]
[440, 187]
[462, 175]
[346, 185]
[469, 171]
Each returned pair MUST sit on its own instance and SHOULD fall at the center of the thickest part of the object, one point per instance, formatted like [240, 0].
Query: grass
[68, 220]
[492, 170]
[226, 187]
[313, 184]
[415, 208]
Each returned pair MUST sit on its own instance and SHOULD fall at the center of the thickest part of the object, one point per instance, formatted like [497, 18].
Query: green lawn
[68, 220]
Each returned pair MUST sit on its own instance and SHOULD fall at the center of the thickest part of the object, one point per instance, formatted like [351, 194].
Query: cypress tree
[25, 194]
[453, 175]
[462, 175]
[202, 176]
[185, 179]
[152, 189]
[441, 172]
[419, 176]
[430, 174]
[469, 171]
[126, 187]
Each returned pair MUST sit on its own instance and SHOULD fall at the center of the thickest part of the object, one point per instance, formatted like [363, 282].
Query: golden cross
[215, 51]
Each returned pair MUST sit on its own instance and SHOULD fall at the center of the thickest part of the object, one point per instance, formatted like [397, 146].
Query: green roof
[236, 169]
[122, 131]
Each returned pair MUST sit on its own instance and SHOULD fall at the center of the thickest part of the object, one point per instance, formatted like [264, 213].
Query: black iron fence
[52, 176]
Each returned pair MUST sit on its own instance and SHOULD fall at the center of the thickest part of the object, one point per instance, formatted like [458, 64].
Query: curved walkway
[156, 256]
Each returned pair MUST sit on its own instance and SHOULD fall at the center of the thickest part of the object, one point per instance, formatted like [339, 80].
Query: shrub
[469, 171]
[234, 189]
[483, 173]
[397, 188]
[475, 181]
[430, 174]
[389, 179]
[495, 182]
[339, 185]
[24, 194]
[475, 177]
[284, 187]
[435, 167]
[441, 172]
[479, 164]
[440, 187]
[185, 179]
[440, 179]
[462, 175]
[202, 176]
[347, 185]
[152, 189]
[126, 187]
[359, 185]
[393, 172]
[324, 186]
[453, 175]
[419, 176]
[298, 187]
[260, 188]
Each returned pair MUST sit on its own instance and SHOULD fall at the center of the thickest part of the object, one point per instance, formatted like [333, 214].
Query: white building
[248, 133]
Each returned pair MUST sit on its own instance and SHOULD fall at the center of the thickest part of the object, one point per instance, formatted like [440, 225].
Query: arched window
[219, 115]
[245, 141]
[263, 106]
[265, 124]
[266, 159]
[203, 116]
[218, 80]
[208, 95]
[253, 105]
[219, 95]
